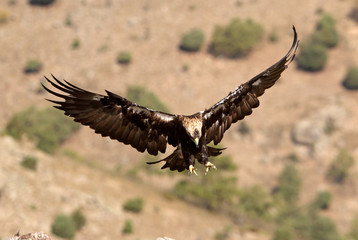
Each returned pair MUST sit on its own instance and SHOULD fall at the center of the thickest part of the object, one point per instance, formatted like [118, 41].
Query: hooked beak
[196, 141]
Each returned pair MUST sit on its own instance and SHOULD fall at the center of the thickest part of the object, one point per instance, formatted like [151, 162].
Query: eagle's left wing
[114, 116]
[239, 103]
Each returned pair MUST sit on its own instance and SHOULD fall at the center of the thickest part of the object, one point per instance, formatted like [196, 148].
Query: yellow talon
[192, 170]
[209, 165]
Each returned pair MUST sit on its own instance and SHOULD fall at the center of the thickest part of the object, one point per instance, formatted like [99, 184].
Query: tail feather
[215, 151]
[174, 161]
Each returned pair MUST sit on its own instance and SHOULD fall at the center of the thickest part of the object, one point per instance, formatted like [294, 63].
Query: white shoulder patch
[256, 83]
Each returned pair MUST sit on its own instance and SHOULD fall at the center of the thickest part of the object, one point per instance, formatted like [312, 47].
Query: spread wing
[117, 117]
[239, 103]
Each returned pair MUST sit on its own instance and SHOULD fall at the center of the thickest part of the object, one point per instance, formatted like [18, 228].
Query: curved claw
[209, 165]
[192, 170]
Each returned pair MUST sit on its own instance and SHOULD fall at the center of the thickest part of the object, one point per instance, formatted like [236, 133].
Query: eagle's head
[193, 128]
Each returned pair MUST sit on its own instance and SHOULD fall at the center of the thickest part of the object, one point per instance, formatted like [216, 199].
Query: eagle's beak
[196, 140]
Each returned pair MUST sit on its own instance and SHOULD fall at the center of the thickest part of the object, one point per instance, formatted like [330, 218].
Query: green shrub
[313, 57]
[68, 21]
[124, 57]
[289, 184]
[326, 21]
[303, 223]
[134, 205]
[48, 127]
[29, 162]
[255, 202]
[283, 233]
[338, 170]
[224, 234]
[213, 192]
[293, 158]
[273, 37]
[351, 79]
[323, 200]
[329, 126]
[353, 232]
[326, 37]
[326, 33]
[41, 2]
[32, 66]
[236, 39]
[142, 96]
[128, 227]
[76, 43]
[224, 162]
[79, 219]
[185, 67]
[192, 40]
[323, 228]
[64, 226]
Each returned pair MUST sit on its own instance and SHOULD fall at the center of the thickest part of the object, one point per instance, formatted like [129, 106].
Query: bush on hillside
[353, 232]
[338, 170]
[224, 163]
[192, 40]
[79, 219]
[134, 205]
[32, 66]
[326, 33]
[326, 21]
[313, 57]
[41, 2]
[289, 184]
[213, 192]
[303, 223]
[223, 234]
[127, 227]
[76, 43]
[255, 202]
[236, 39]
[283, 233]
[48, 127]
[323, 228]
[144, 97]
[323, 200]
[64, 226]
[351, 79]
[29, 162]
[124, 57]
[273, 37]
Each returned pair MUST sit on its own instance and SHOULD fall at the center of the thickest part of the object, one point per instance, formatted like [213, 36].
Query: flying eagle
[146, 129]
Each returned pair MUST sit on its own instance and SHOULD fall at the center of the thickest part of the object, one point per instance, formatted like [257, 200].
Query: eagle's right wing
[117, 117]
[239, 103]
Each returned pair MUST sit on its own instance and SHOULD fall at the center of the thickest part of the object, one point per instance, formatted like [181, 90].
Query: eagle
[149, 130]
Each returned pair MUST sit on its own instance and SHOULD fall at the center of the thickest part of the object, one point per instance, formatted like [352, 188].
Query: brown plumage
[146, 129]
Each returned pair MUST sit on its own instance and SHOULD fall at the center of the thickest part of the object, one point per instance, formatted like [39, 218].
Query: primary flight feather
[146, 129]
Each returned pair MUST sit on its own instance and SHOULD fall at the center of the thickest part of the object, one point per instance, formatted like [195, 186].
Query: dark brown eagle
[146, 129]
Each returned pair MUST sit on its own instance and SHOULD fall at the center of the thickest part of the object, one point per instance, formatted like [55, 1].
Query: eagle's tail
[174, 161]
[215, 151]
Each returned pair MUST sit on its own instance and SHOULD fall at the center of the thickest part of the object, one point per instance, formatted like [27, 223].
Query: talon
[209, 165]
[192, 170]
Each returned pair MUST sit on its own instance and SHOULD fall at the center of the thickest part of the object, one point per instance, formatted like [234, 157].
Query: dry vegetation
[302, 125]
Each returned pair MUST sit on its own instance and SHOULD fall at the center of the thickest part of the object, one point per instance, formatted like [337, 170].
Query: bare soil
[151, 31]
